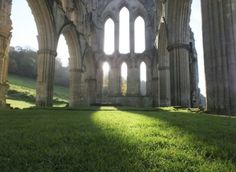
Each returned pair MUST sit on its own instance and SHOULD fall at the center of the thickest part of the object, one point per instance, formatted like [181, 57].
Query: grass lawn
[22, 92]
[116, 140]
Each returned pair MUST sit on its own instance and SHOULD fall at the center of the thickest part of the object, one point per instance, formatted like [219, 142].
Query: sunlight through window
[143, 78]
[109, 36]
[62, 51]
[106, 70]
[124, 74]
[139, 31]
[124, 44]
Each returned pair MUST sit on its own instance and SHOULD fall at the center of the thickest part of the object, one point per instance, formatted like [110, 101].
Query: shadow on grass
[63, 141]
[48, 140]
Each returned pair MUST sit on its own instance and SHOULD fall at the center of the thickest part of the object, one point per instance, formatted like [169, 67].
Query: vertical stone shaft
[117, 31]
[219, 38]
[115, 78]
[74, 90]
[178, 40]
[133, 81]
[45, 79]
[164, 66]
[5, 37]
[131, 33]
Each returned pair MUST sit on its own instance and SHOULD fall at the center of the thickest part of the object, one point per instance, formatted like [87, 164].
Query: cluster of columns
[178, 42]
[219, 38]
[219, 26]
[45, 77]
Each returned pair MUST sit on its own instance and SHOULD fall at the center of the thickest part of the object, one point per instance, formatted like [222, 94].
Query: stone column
[132, 34]
[164, 66]
[133, 81]
[5, 37]
[45, 78]
[91, 90]
[156, 86]
[114, 78]
[75, 84]
[117, 32]
[178, 46]
[219, 38]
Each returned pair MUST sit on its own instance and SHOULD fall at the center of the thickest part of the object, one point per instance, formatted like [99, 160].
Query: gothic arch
[109, 14]
[72, 39]
[123, 4]
[45, 25]
[142, 13]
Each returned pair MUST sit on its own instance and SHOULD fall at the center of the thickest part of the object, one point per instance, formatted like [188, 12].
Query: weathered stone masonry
[170, 57]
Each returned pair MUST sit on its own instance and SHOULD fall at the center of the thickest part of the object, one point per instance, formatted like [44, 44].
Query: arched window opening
[109, 37]
[139, 35]
[124, 41]
[143, 79]
[22, 54]
[124, 75]
[61, 77]
[62, 51]
[105, 83]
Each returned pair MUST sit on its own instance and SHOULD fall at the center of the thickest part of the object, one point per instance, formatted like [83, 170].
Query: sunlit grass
[116, 140]
[24, 89]
[19, 104]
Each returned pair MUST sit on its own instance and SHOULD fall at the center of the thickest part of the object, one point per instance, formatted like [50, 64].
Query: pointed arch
[109, 36]
[45, 24]
[124, 35]
[71, 36]
[75, 62]
[139, 35]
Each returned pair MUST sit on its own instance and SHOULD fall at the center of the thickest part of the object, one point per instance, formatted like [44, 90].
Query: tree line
[23, 62]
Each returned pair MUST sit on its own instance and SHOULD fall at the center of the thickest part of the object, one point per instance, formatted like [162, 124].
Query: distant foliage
[23, 62]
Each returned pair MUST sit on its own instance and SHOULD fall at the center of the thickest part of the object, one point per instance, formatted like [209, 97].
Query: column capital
[174, 46]
[47, 51]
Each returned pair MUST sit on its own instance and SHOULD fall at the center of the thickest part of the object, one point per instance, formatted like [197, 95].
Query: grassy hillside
[22, 92]
[116, 140]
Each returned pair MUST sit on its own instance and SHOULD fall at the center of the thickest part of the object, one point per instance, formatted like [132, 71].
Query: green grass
[116, 140]
[19, 104]
[22, 92]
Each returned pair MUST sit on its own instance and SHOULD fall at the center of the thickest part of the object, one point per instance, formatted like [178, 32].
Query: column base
[3, 93]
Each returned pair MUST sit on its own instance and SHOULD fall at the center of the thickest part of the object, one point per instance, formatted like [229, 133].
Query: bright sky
[196, 25]
[25, 34]
[124, 31]
[139, 35]
[109, 39]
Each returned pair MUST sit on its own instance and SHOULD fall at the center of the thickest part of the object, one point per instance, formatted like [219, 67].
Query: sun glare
[143, 72]
[62, 51]
[124, 71]
[106, 67]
